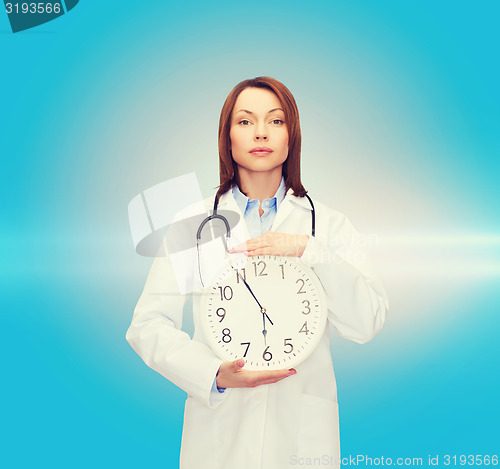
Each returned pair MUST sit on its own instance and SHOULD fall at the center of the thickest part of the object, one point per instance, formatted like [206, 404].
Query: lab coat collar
[289, 203]
[301, 201]
[227, 202]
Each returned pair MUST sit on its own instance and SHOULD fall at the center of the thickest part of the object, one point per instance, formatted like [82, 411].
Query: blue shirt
[257, 224]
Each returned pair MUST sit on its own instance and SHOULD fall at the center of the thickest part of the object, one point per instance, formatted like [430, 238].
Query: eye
[244, 122]
[277, 121]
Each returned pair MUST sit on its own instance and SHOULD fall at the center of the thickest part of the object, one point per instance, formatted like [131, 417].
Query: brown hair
[228, 170]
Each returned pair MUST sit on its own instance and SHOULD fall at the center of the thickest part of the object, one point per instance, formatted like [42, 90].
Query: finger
[258, 242]
[254, 243]
[246, 244]
[246, 249]
[259, 376]
[272, 381]
[271, 251]
[262, 251]
[275, 379]
[239, 248]
[238, 364]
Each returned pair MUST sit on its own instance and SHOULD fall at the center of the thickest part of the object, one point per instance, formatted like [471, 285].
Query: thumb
[237, 364]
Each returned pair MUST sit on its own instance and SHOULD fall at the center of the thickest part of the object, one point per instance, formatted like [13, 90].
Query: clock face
[271, 312]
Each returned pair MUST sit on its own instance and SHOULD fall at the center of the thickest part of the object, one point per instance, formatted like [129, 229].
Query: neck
[259, 185]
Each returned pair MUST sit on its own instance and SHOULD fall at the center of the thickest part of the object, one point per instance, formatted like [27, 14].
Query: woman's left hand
[274, 244]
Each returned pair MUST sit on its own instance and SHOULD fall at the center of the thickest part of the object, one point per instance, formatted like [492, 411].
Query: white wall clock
[271, 312]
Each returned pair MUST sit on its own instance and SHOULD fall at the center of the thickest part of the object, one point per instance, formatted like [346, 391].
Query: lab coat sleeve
[357, 302]
[156, 335]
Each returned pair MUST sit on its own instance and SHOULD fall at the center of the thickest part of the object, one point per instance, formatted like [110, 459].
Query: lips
[261, 151]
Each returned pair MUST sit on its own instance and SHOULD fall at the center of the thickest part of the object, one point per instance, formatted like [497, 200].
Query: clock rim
[323, 314]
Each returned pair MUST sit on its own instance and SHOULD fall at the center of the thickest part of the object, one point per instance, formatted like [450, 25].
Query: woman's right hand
[232, 375]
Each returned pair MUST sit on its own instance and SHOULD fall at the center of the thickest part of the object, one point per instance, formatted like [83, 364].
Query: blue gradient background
[399, 105]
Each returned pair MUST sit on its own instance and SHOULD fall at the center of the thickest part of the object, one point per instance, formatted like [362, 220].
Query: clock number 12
[260, 264]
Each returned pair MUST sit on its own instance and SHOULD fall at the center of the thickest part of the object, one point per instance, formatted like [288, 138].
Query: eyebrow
[251, 113]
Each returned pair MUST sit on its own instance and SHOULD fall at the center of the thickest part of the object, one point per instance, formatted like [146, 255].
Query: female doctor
[235, 418]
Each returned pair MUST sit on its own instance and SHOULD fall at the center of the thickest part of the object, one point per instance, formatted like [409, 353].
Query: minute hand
[262, 310]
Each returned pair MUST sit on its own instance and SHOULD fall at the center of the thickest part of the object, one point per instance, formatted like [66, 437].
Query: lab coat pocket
[319, 429]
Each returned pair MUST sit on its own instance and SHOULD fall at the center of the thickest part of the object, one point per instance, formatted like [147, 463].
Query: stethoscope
[217, 216]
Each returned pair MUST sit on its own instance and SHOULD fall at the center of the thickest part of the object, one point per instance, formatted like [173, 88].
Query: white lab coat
[272, 426]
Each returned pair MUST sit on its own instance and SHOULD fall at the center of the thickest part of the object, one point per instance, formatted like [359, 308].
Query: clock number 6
[226, 338]
[267, 356]
[288, 344]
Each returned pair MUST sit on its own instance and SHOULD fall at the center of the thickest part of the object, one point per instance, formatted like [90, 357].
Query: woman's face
[258, 133]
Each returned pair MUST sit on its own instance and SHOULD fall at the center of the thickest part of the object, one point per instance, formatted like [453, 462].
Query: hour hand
[268, 318]
[262, 310]
[264, 331]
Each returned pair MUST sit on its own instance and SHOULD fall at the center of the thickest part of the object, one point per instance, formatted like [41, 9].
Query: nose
[261, 131]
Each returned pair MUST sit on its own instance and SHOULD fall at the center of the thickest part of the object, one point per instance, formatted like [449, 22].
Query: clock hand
[268, 318]
[250, 290]
[264, 331]
[262, 310]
